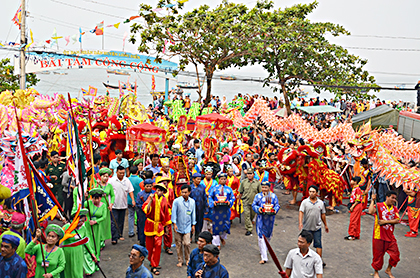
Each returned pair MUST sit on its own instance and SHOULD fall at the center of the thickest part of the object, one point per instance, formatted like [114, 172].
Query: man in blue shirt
[11, 265]
[154, 167]
[183, 218]
[211, 267]
[196, 256]
[135, 181]
[119, 161]
[141, 216]
[137, 269]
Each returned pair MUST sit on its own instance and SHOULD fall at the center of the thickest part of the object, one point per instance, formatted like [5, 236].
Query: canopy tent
[146, 133]
[382, 116]
[213, 121]
[318, 109]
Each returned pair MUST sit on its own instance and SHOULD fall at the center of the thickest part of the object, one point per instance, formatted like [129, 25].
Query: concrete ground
[241, 254]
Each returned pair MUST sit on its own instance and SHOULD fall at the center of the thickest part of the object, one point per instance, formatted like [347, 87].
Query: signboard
[51, 61]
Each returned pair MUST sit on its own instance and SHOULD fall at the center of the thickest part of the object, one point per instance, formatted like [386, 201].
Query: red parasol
[147, 133]
[213, 121]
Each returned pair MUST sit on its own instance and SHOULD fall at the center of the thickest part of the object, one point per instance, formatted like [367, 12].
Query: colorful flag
[17, 19]
[76, 159]
[99, 29]
[120, 89]
[153, 83]
[80, 34]
[20, 189]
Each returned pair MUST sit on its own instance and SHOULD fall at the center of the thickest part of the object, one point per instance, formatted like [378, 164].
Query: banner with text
[110, 60]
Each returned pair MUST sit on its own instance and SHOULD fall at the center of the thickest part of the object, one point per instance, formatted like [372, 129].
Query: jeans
[382, 190]
[131, 216]
[119, 216]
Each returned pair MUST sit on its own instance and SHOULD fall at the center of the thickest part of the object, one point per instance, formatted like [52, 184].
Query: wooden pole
[22, 79]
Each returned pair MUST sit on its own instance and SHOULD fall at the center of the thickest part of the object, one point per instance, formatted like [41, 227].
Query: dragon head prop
[288, 158]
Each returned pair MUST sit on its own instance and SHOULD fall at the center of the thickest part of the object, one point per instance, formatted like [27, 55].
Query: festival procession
[317, 175]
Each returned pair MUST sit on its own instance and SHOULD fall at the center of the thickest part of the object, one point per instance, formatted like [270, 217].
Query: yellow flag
[32, 39]
[116, 25]
[182, 1]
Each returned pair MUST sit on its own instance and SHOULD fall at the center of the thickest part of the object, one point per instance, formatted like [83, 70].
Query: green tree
[10, 82]
[295, 50]
[210, 38]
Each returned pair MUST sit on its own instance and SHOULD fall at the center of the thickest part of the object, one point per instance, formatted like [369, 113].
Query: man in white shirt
[122, 186]
[303, 262]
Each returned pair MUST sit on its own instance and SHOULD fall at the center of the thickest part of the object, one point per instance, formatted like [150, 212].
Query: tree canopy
[212, 38]
[294, 50]
[10, 82]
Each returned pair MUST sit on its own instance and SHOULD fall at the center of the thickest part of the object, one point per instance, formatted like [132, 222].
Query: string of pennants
[98, 30]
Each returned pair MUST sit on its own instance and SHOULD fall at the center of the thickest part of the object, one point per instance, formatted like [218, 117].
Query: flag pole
[80, 176]
[33, 207]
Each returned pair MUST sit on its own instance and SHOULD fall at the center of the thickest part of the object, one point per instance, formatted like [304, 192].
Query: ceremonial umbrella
[213, 121]
[146, 133]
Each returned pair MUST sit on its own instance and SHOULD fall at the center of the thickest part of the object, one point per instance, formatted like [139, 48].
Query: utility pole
[22, 47]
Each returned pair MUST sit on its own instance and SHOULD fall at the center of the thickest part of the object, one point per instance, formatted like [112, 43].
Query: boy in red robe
[413, 208]
[357, 201]
[233, 182]
[170, 197]
[158, 221]
[386, 216]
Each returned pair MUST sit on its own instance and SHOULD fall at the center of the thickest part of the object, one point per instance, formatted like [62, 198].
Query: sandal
[349, 238]
[168, 251]
[155, 271]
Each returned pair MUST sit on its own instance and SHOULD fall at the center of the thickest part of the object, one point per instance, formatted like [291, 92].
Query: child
[357, 201]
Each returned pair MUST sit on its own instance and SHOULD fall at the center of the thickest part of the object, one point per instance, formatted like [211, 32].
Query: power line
[112, 6]
[383, 49]
[85, 9]
[385, 37]
[71, 25]
[396, 73]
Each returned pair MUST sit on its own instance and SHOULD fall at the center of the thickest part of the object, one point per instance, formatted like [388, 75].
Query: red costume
[237, 208]
[157, 217]
[413, 213]
[355, 216]
[167, 238]
[383, 237]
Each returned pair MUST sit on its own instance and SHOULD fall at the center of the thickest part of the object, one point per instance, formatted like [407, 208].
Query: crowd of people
[179, 196]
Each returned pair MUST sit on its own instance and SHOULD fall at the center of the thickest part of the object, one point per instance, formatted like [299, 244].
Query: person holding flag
[96, 215]
[54, 261]
[108, 199]
[74, 268]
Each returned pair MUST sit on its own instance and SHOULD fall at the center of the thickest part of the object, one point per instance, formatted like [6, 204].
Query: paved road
[241, 254]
